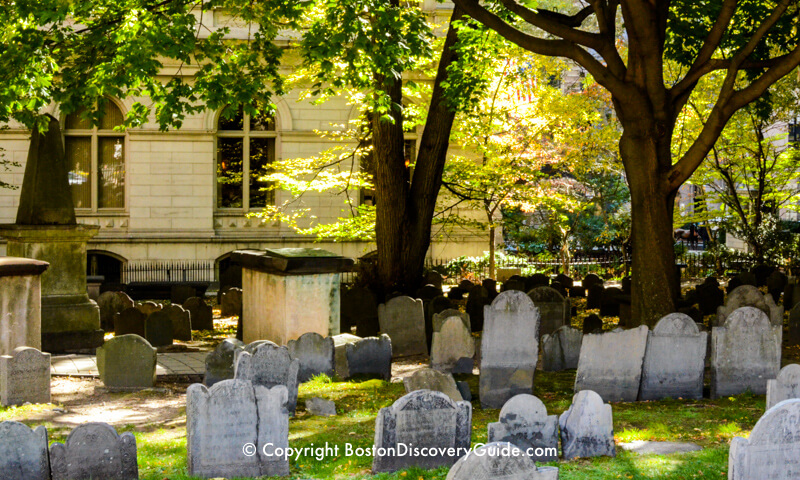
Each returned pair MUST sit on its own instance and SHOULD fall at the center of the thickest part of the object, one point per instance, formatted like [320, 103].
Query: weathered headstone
[180, 293]
[359, 309]
[315, 354]
[24, 377]
[610, 364]
[429, 379]
[675, 360]
[709, 298]
[200, 313]
[748, 296]
[321, 407]
[514, 284]
[794, 325]
[554, 309]
[453, 347]
[231, 302]
[95, 450]
[592, 324]
[772, 451]
[424, 419]
[23, 452]
[565, 280]
[222, 420]
[148, 307]
[433, 307]
[456, 293]
[428, 292]
[477, 299]
[127, 362]
[181, 322]
[499, 460]
[490, 285]
[561, 349]
[111, 303]
[590, 280]
[269, 365]
[785, 387]
[158, 329]
[525, 423]
[371, 356]
[587, 428]
[340, 353]
[441, 317]
[129, 321]
[776, 282]
[745, 353]
[509, 348]
[403, 319]
[219, 363]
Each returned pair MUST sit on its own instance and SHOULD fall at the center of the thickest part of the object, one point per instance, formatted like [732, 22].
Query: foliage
[7, 165]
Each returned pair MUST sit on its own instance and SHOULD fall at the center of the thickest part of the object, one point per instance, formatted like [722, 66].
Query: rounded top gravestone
[23, 452]
[676, 324]
[772, 450]
[499, 460]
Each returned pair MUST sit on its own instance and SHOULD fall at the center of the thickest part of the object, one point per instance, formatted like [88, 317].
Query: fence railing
[175, 271]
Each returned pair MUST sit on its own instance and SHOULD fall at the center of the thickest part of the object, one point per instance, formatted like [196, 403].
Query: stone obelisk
[46, 229]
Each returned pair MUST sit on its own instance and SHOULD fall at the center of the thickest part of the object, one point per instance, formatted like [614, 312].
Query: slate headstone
[24, 377]
[129, 321]
[554, 309]
[158, 329]
[594, 297]
[590, 280]
[772, 450]
[675, 360]
[490, 285]
[127, 362]
[587, 428]
[762, 273]
[561, 349]
[95, 450]
[791, 293]
[200, 313]
[180, 293]
[776, 282]
[525, 423]
[565, 280]
[509, 348]
[111, 303]
[315, 354]
[23, 452]
[785, 387]
[709, 298]
[219, 363]
[222, 419]
[499, 460]
[269, 365]
[794, 325]
[592, 324]
[434, 278]
[424, 419]
[359, 309]
[231, 302]
[610, 302]
[429, 379]
[477, 299]
[744, 296]
[453, 347]
[403, 319]
[371, 356]
[514, 284]
[441, 317]
[456, 293]
[428, 292]
[181, 322]
[610, 364]
[745, 353]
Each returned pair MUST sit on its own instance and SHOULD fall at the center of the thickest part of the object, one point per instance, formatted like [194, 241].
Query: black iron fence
[176, 271]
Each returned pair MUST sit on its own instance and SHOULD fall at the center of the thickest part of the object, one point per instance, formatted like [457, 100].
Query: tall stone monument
[46, 230]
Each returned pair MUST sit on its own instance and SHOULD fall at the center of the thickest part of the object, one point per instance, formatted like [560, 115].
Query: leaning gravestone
[587, 428]
[610, 364]
[478, 298]
[561, 350]
[23, 452]
[428, 379]
[231, 301]
[127, 362]
[785, 387]
[439, 318]
[453, 347]
[525, 423]
[314, 353]
[129, 321]
[95, 450]
[675, 360]
[499, 460]
[554, 309]
[403, 319]
[269, 365]
[509, 348]
[424, 419]
[223, 419]
[24, 377]
[181, 322]
[200, 313]
[745, 353]
[371, 356]
[772, 450]
[158, 329]
[219, 363]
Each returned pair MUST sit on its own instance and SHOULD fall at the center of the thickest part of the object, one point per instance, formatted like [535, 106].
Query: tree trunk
[492, 232]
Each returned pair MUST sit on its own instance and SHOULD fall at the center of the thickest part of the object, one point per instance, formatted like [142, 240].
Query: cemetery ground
[157, 418]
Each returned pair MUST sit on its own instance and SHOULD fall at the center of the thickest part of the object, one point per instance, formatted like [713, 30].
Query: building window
[245, 150]
[96, 158]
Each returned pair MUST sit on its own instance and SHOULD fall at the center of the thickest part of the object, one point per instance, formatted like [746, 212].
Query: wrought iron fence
[174, 271]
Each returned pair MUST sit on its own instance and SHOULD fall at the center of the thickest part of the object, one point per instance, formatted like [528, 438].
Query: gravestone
[610, 302]
[23, 452]
[181, 322]
[340, 353]
[315, 355]
[148, 307]
[360, 309]
[180, 293]
[745, 353]
[453, 347]
[514, 285]
[490, 285]
[610, 364]
[428, 292]
[748, 296]
[456, 293]
[428, 379]
[794, 325]
[434, 278]
[525, 423]
[465, 285]
[222, 419]
[591, 279]
[371, 356]
[403, 319]
[158, 329]
[95, 450]
[200, 312]
[762, 273]
[269, 365]
[554, 309]
[776, 282]
[785, 387]
[439, 318]
[219, 363]
[592, 324]
[594, 296]
[127, 362]
[424, 419]
[231, 302]
[565, 280]
[791, 293]
[561, 349]
[509, 348]
[111, 303]
[129, 321]
[24, 377]
[432, 307]
[772, 450]
[709, 298]
[477, 299]
[675, 360]
[499, 460]
[587, 428]
[321, 407]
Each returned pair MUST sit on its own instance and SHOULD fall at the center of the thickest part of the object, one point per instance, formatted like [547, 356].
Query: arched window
[245, 149]
[96, 157]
